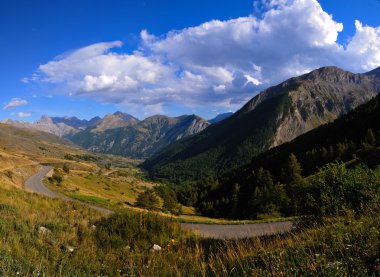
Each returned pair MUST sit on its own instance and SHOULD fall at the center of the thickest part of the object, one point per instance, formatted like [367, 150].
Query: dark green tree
[370, 137]
[66, 169]
[293, 170]
[148, 200]
[234, 199]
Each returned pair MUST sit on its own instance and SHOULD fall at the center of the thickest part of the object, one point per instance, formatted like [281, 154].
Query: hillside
[220, 117]
[140, 139]
[23, 150]
[276, 115]
[273, 180]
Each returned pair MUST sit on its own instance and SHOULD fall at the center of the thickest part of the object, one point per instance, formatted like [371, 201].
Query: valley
[104, 207]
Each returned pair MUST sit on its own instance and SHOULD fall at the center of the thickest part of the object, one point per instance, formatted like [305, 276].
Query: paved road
[238, 231]
[35, 184]
[216, 231]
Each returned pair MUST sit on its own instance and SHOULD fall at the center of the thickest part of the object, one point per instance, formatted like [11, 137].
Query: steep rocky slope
[277, 115]
[140, 139]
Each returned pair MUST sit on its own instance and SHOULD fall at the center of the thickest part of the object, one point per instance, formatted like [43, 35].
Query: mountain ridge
[276, 115]
[143, 138]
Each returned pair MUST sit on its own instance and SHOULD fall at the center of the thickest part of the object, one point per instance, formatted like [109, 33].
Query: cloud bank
[219, 63]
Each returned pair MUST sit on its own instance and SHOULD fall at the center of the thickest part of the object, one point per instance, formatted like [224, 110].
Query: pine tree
[294, 169]
[370, 138]
[148, 199]
[234, 199]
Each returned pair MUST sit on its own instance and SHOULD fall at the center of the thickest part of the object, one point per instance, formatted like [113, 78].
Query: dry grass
[345, 246]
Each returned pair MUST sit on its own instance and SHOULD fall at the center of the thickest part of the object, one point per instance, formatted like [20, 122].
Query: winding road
[35, 184]
[215, 231]
[239, 231]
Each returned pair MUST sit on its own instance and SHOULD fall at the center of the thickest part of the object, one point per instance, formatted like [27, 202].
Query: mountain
[76, 122]
[276, 115]
[140, 139]
[352, 139]
[220, 117]
[68, 126]
[111, 121]
[44, 124]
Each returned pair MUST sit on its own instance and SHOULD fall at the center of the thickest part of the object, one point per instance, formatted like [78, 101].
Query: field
[78, 242]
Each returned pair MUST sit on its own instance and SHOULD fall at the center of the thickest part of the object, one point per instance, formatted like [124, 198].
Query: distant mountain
[220, 117]
[75, 122]
[44, 124]
[139, 139]
[277, 115]
[111, 121]
[68, 126]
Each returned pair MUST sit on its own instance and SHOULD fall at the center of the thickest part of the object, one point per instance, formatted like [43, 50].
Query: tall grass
[120, 245]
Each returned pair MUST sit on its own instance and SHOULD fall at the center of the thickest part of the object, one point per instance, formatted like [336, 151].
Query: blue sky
[91, 57]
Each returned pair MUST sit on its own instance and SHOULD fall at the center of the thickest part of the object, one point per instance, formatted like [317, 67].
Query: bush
[148, 200]
[57, 178]
[336, 188]
[66, 169]
[136, 230]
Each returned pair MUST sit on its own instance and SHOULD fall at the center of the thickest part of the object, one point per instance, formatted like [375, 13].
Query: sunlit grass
[343, 246]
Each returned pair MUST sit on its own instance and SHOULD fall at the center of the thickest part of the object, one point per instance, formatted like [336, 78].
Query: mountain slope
[112, 121]
[353, 139]
[76, 122]
[140, 139]
[45, 124]
[220, 117]
[277, 115]
[68, 126]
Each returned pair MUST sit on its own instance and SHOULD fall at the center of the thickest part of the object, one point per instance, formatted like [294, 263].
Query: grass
[119, 245]
[90, 199]
[119, 186]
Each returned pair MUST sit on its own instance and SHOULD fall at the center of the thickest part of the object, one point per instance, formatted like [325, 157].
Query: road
[216, 231]
[238, 231]
[35, 184]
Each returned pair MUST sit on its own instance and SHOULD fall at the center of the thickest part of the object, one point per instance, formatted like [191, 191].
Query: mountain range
[120, 133]
[195, 148]
[139, 139]
[275, 116]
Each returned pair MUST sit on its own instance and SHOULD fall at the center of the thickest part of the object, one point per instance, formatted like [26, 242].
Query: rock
[93, 227]
[127, 248]
[43, 230]
[155, 248]
[70, 249]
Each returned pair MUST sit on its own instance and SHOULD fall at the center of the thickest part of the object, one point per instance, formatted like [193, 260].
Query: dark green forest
[321, 172]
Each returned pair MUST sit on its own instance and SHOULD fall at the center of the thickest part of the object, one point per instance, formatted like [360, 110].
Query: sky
[92, 57]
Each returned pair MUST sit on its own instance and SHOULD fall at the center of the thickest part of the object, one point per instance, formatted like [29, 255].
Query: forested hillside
[275, 116]
[280, 181]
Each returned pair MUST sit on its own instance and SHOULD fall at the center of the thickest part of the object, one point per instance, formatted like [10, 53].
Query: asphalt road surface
[216, 231]
[35, 184]
[238, 231]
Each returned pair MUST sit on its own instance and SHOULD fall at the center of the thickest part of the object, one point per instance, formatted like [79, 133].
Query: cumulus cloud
[220, 63]
[15, 102]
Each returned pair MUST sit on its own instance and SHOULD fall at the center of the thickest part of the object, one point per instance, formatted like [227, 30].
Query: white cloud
[221, 63]
[15, 102]
[24, 114]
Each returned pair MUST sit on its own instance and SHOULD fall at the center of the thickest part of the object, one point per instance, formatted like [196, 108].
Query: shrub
[136, 230]
[336, 188]
[66, 169]
[148, 200]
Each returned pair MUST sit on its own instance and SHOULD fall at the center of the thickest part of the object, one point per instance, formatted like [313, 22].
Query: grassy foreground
[79, 242]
